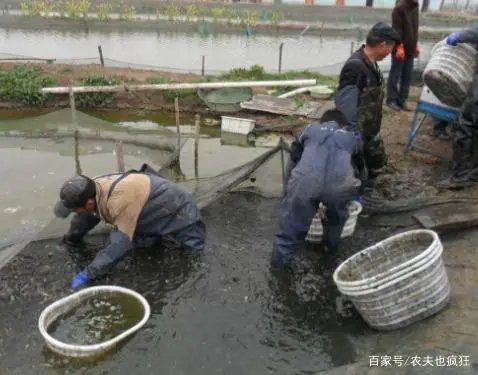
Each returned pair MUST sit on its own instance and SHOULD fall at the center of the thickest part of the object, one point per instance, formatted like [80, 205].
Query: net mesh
[262, 175]
[326, 69]
[89, 148]
[60, 124]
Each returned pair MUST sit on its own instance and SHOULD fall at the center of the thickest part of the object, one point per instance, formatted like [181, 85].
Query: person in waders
[360, 97]
[142, 206]
[465, 143]
[319, 170]
[405, 18]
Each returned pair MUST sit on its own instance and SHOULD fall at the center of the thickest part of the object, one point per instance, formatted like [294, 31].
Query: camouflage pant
[374, 152]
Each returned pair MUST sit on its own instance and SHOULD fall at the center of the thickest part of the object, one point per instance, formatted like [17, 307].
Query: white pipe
[295, 92]
[304, 31]
[178, 86]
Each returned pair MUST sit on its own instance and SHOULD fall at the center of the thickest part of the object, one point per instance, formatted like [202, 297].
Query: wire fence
[326, 69]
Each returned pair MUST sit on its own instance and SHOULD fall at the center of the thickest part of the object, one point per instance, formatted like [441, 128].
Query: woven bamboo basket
[450, 71]
[397, 281]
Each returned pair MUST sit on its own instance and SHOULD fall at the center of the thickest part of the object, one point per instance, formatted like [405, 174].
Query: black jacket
[405, 17]
[357, 74]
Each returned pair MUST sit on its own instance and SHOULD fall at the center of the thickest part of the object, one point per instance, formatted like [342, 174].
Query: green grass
[23, 83]
[257, 72]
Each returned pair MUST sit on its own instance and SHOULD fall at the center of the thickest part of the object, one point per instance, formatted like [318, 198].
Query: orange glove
[400, 54]
[417, 52]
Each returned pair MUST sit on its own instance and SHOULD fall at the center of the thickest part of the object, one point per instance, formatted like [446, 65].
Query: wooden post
[77, 152]
[352, 47]
[76, 136]
[120, 156]
[280, 56]
[203, 64]
[197, 126]
[101, 56]
[282, 162]
[178, 131]
[73, 107]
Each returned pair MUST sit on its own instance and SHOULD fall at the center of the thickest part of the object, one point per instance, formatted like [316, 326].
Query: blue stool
[429, 105]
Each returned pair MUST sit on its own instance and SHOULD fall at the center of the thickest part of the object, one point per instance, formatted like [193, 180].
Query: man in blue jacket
[142, 206]
[319, 171]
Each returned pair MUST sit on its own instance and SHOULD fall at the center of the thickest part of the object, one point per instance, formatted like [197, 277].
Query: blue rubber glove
[360, 199]
[358, 136]
[453, 39]
[79, 280]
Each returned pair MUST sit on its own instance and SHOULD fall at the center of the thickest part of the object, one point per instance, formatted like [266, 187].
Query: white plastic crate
[237, 125]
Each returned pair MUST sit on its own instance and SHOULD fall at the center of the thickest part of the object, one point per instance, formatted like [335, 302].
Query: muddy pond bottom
[219, 312]
[97, 320]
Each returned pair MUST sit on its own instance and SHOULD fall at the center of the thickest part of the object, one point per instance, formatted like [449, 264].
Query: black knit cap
[381, 32]
[74, 193]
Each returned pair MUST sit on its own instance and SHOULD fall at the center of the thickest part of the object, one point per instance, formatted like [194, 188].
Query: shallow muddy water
[97, 319]
[220, 312]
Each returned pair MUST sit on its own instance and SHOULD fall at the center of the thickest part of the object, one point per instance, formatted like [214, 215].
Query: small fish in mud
[98, 319]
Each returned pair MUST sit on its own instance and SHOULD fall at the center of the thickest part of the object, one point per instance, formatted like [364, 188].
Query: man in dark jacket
[319, 170]
[143, 207]
[405, 17]
[465, 143]
[361, 91]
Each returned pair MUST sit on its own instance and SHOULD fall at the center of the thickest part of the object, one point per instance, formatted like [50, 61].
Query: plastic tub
[51, 313]
[321, 92]
[316, 230]
[237, 125]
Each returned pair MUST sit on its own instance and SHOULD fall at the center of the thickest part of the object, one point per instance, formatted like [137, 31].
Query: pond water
[182, 52]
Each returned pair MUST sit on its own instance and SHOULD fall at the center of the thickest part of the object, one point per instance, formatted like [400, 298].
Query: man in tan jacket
[142, 207]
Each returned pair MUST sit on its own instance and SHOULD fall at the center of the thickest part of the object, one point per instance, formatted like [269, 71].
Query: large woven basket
[316, 231]
[450, 72]
[397, 281]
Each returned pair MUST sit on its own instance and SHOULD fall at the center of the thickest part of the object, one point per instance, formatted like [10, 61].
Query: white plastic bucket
[316, 230]
[52, 312]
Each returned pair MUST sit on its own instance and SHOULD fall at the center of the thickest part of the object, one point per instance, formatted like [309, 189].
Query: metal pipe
[178, 86]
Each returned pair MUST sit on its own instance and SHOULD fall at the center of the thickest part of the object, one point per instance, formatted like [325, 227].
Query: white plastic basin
[52, 312]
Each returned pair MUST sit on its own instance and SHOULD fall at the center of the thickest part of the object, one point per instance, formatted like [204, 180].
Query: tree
[425, 5]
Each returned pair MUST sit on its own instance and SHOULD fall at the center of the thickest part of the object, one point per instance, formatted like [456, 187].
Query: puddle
[97, 320]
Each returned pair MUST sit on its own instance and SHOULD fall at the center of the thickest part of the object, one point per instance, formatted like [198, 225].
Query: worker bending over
[142, 207]
[319, 171]
[465, 142]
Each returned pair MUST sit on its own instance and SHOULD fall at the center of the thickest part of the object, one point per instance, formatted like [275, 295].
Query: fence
[202, 67]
